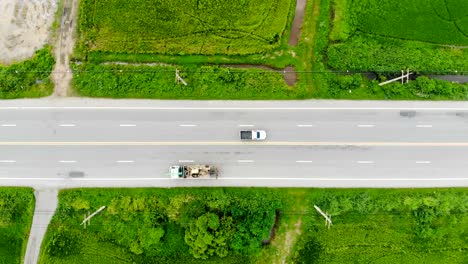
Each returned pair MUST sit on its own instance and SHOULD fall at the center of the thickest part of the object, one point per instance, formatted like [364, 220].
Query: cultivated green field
[183, 27]
[434, 21]
[205, 82]
[16, 212]
[30, 78]
[393, 35]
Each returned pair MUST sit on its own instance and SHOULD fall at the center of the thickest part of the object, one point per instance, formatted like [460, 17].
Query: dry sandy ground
[24, 27]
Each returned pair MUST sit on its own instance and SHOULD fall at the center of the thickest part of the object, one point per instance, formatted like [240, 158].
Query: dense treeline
[160, 225]
[30, 78]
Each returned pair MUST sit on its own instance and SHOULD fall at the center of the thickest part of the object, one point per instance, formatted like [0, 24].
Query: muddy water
[463, 79]
[297, 23]
[289, 74]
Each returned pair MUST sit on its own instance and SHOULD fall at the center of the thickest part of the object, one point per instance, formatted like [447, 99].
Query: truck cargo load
[193, 171]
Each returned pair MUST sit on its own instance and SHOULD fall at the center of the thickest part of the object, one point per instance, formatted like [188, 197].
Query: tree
[309, 251]
[209, 235]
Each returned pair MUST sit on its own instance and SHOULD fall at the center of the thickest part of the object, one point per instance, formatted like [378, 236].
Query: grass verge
[16, 212]
[30, 78]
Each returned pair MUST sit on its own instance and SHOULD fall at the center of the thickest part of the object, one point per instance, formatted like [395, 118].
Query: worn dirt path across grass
[62, 74]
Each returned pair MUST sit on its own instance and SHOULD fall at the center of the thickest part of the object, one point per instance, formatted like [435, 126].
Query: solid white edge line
[7, 161]
[365, 162]
[424, 126]
[125, 161]
[303, 161]
[67, 161]
[8, 125]
[303, 125]
[185, 125]
[236, 179]
[127, 125]
[246, 125]
[67, 125]
[227, 108]
[423, 162]
[366, 125]
[245, 161]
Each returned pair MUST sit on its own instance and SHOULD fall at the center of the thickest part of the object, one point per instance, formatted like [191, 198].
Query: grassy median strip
[16, 212]
[259, 225]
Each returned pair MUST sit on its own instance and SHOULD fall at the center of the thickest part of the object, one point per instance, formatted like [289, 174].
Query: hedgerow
[205, 82]
[364, 53]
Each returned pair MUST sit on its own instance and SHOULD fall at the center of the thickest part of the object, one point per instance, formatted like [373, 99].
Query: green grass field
[183, 27]
[369, 226]
[16, 212]
[387, 226]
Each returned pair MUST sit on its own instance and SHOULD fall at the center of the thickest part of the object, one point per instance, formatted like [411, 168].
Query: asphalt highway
[308, 144]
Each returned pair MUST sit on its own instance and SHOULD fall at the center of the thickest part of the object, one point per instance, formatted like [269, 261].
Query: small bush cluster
[30, 78]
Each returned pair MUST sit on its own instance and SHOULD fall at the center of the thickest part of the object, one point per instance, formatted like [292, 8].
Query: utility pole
[328, 221]
[402, 78]
[179, 79]
[87, 219]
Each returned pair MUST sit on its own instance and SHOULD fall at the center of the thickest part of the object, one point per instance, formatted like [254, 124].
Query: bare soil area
[62, 74]
[24, 27]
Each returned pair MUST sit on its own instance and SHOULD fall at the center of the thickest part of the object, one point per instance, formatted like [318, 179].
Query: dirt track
[65, 42]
